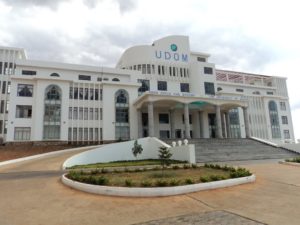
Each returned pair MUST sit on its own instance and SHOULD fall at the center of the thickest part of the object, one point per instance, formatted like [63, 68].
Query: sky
[257, 36]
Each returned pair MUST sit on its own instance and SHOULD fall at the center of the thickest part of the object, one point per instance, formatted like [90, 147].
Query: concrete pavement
[31, 193]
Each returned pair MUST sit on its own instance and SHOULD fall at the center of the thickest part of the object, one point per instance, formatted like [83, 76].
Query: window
[86, 94]
[99, 79]
[28, 72]
[23, 111]
[219, 89]
[86, 113]
[208, 70]
[184, 87]
[164, 118]
[54, 75]
[201, 59]
[70, 112]
[239, 90]
[209, 88]
[164, 134]
[75, 113]
[270, 93]
[282, 106]
[80, 117]
[22, 133]
[8, 87]
[25, 90]
[284, 120]
[148, 69]
[122, 130]
[286, 134]
[144, 69]
[81, 93]
[145, 86]
[84, 77]
[158, 69]
[115, 79]
[274, 121]
[52, 112]
[96, 114]
[256, 93]
[1, 126]
[162, 85]
[4, 87]
[2, 106]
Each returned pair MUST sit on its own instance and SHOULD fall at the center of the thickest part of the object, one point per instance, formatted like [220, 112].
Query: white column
[219, 123]
[172, 123]
[187, 121]
[246, 120]
[227, 125]
[201, 115]
[140, 123]
[150, 120]
[196, 125]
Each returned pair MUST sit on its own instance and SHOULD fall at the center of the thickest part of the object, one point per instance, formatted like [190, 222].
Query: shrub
[157, 168]
[215, 177]
[94, 172]
[164, 156]
[146, 183]
[104, 170]
[240, 172]
[175, 167]
[126, 170]
[194, 166]
[145, 169]
[217, 166]
[189, 181]
[128, 183]
[137, 149]
[204, 179]
[161, 183]
[137, 170]
[296, 160]
[102, 180]
[186, 166]
[174, 182]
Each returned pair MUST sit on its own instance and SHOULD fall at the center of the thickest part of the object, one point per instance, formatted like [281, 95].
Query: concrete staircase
[220, 150]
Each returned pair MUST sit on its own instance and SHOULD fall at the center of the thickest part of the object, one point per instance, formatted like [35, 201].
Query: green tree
[164, 156]
[137, 149]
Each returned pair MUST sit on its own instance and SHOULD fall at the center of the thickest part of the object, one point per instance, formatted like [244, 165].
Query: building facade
[163, 90]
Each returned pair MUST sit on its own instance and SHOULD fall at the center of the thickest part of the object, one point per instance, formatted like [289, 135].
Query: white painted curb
[289, 163]
[157, 191]
[44, 155]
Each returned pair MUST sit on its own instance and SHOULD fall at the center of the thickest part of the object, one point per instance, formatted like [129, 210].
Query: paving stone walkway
[206, 218]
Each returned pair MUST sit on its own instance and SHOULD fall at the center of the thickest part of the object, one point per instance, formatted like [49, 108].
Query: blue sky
[250, 36]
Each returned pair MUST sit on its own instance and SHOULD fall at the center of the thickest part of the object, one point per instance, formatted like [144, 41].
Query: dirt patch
[19, 151]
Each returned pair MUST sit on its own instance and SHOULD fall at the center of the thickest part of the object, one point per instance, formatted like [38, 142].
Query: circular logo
[173, 47]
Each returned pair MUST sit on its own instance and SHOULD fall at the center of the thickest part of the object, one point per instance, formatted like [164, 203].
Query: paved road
[31, 194]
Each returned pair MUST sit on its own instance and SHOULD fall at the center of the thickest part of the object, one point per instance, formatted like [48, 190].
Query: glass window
[3, 87]
[28, 72]
[162, 85]
[53, 93]
[282, 106]
[122, 130]
[54, 75]
[209, 88]
[91, 94]
[80, 117]
[86, 94]
[122, 115]
[274, 121]
[76, 93]
[144, 69]
[286, 134]
[71, 93]
[84, 77]
[122, 97]
[148, 69]
[96, 114]
[184, 87]
[239, 90]
[115, 79]
[70, 112]
[158, 69]
[164, 118]
[25, 90]
[75, 115]
[145, 86]
[81, 93]
[23, 111]
[208, 70]
[22, 133]
[201, 59]
[164, 134]
[270, 93]
[284, 120]
[91, 116]
[86, 113]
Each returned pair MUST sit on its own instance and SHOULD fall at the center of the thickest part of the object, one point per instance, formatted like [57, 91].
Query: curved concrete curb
[154, 192]
[44, 155]
[289, 163]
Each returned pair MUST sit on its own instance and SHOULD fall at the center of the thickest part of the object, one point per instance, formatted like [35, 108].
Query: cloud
[53, 4]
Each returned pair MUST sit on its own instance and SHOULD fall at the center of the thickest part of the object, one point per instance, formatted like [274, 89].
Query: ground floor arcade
[191, 117]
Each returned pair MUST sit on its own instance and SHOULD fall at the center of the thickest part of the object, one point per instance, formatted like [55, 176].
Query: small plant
[128, 183]
[175, 167]
[295, 160]
[94, 172]
[126, 170]
[157, 168]
[103, 170]
[217, 166]
[240, 172]
[164, 156]
[174, 182]
[194, 166]
[137, 170]
[161, 183]
[102, 180]
[189, 181]
[146, 183]
[215, 177]
[204, 179]
[137, 149]
[186, 166]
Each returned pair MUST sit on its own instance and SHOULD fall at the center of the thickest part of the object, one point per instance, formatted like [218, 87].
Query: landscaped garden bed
[158, 176]
[294, 160]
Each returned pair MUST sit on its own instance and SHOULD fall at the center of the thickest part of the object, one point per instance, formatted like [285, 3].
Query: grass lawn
[147, 162]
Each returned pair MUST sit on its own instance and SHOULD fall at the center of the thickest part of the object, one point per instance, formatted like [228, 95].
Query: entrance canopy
[178, 100]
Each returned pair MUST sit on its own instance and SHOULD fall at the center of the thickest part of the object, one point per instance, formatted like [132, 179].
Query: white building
[163, 90]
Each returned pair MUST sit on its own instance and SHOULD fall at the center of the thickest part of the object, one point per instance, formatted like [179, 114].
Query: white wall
[123, 151]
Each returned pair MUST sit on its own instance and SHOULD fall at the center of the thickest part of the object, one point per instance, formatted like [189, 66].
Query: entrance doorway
[178, 133]
[212, 125]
